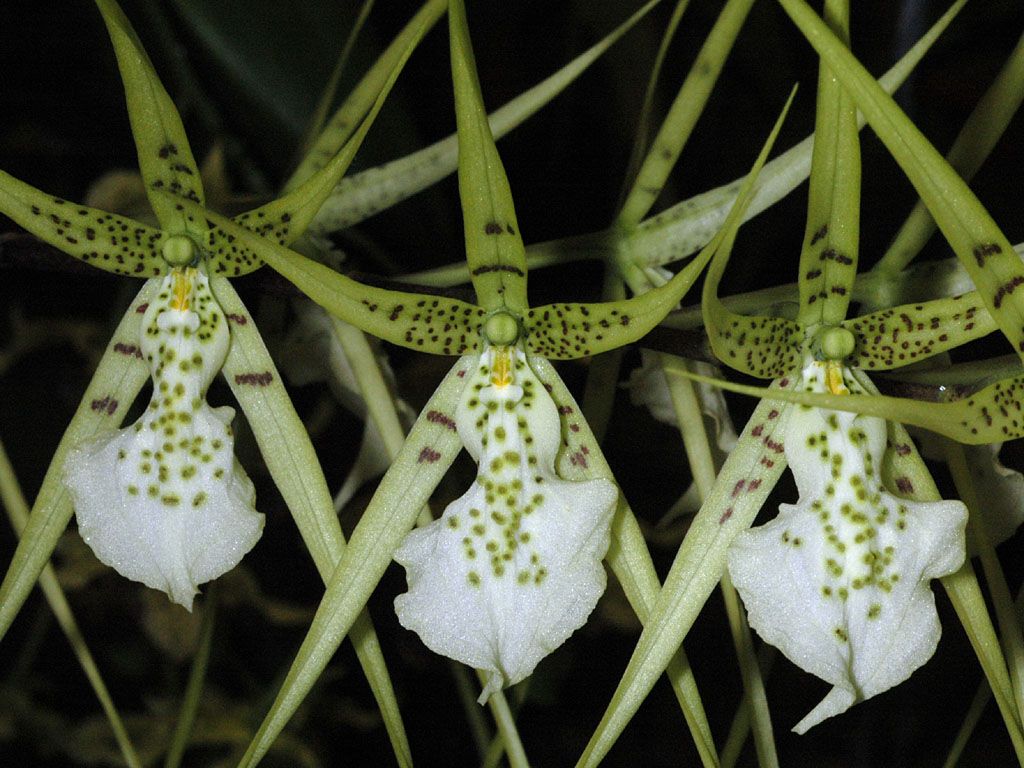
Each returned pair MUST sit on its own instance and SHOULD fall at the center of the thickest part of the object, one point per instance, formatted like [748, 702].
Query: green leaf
[165, 157]
[118, 379]
[426, 323]
[360, 99]
[581, 458]
[744, 483]
[104, 240]
[293, 464]
[893, 338]
[828, 260]
[683, 114]
[426, 455]
[973, 144]
[979, 244]
[361, 196]
[494, 246]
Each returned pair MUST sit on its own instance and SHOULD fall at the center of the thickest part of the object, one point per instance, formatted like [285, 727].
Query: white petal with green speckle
[164, 501]
[513, 567]
[839, 581]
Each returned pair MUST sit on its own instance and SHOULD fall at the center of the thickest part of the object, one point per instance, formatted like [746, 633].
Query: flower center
[179, 250]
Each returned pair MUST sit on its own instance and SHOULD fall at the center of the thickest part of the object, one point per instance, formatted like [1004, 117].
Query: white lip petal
[164, 501]
[839, 581]
[513, 567]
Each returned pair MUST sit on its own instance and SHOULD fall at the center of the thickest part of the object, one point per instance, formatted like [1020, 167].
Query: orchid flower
[839, 581]
[805, 579]
[513, 566]
[135, 489]
[164, 501]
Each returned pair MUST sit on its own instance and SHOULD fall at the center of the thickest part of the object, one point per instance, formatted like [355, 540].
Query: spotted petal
[513, 567]
[839, 581]
[164, 501]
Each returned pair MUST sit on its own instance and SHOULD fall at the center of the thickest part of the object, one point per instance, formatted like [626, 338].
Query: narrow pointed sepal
[513, 567]
[839, 581]
[164, 501]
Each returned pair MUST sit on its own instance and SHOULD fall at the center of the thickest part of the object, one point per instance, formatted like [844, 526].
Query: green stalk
[194, 687]
[17, 512]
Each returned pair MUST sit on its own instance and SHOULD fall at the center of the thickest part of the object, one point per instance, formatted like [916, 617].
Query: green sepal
[746, 479]
[580, 459]
[682, 229]
[899, 336]
[828, 259]
[165, 157]
[977, 241]
[104, 240]
[338, 130]
[118, 379]
[284, 220]
[990, 415]
[905, 470]
[565, 331]
[494, 247]
[767, 347]
[429, 450]
[293, 464]
[362, 195]
[977, 138]
[686, 109]
[426, 323]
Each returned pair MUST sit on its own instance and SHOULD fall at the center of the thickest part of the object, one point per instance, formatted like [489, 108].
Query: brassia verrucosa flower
[839, 581]
[514, 565]
[164, 501]
[842, 634]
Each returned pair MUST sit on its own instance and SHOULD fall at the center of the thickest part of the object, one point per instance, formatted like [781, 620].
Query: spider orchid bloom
[164, 501]
[839, 581]
[513, 567]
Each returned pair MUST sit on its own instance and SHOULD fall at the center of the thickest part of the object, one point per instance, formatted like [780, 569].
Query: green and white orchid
[839, 581]
[784, 569]
[164, 501]
[513, 566]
